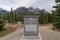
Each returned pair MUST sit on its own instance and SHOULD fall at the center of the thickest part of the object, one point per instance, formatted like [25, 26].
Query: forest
[45, 17]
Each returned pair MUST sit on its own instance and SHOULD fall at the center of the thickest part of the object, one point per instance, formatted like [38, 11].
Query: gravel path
[46, 34]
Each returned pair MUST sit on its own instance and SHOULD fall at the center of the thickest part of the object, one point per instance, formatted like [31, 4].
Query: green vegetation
[45, 18]
[17, 15]
[6, 31]
[1, 23]
[57, 1]
[56, 16]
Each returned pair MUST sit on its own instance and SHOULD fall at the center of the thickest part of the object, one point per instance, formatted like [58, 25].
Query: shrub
[1, 25]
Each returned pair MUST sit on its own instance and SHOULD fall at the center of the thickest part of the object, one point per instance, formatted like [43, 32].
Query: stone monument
[31, 27]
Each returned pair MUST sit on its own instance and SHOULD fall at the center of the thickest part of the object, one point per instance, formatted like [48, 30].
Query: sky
[42, 4]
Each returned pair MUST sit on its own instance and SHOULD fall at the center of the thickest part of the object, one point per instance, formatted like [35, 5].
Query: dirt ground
[46, 25]
[44, 30]
[9, 28]
[20, 25]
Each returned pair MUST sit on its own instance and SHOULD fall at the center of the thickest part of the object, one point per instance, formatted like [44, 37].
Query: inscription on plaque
[31, 27]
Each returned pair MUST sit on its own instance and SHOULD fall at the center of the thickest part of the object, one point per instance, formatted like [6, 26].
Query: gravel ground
[46, 34]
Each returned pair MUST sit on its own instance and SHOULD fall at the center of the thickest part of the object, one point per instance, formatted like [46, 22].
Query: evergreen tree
[1, 23]
[15, 16]
[11, 15]
[56, 20]
[50, 17]
[43, 18]
[8, 17]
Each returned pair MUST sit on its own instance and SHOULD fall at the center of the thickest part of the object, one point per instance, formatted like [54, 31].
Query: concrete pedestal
[31, 37]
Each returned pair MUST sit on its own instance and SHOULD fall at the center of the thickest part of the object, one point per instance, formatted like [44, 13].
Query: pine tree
[12, 16]
[50, 17]
[8, 17]
[56, 19]
[15, 16]
[43, 18]
[1, 23]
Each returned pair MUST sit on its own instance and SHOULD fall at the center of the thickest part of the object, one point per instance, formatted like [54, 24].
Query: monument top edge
[31, 16]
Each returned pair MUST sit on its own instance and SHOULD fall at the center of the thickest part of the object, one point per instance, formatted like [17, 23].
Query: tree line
[13, 17]
[44, 16]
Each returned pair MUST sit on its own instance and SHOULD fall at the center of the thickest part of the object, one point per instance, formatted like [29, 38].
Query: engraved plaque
[31, 27]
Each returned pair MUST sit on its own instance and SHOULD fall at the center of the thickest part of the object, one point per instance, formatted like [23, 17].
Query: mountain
[2, 11]
[24, 10]
[21, 10]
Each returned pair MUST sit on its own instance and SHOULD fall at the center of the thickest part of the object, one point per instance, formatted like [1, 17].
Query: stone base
[31, 37]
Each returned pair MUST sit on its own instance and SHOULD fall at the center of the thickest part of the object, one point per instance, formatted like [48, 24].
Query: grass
[6, 31]
[10, 28]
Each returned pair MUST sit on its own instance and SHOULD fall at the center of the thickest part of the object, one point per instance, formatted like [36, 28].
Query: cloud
[42, 4]
[46, 4]
[5, 7]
